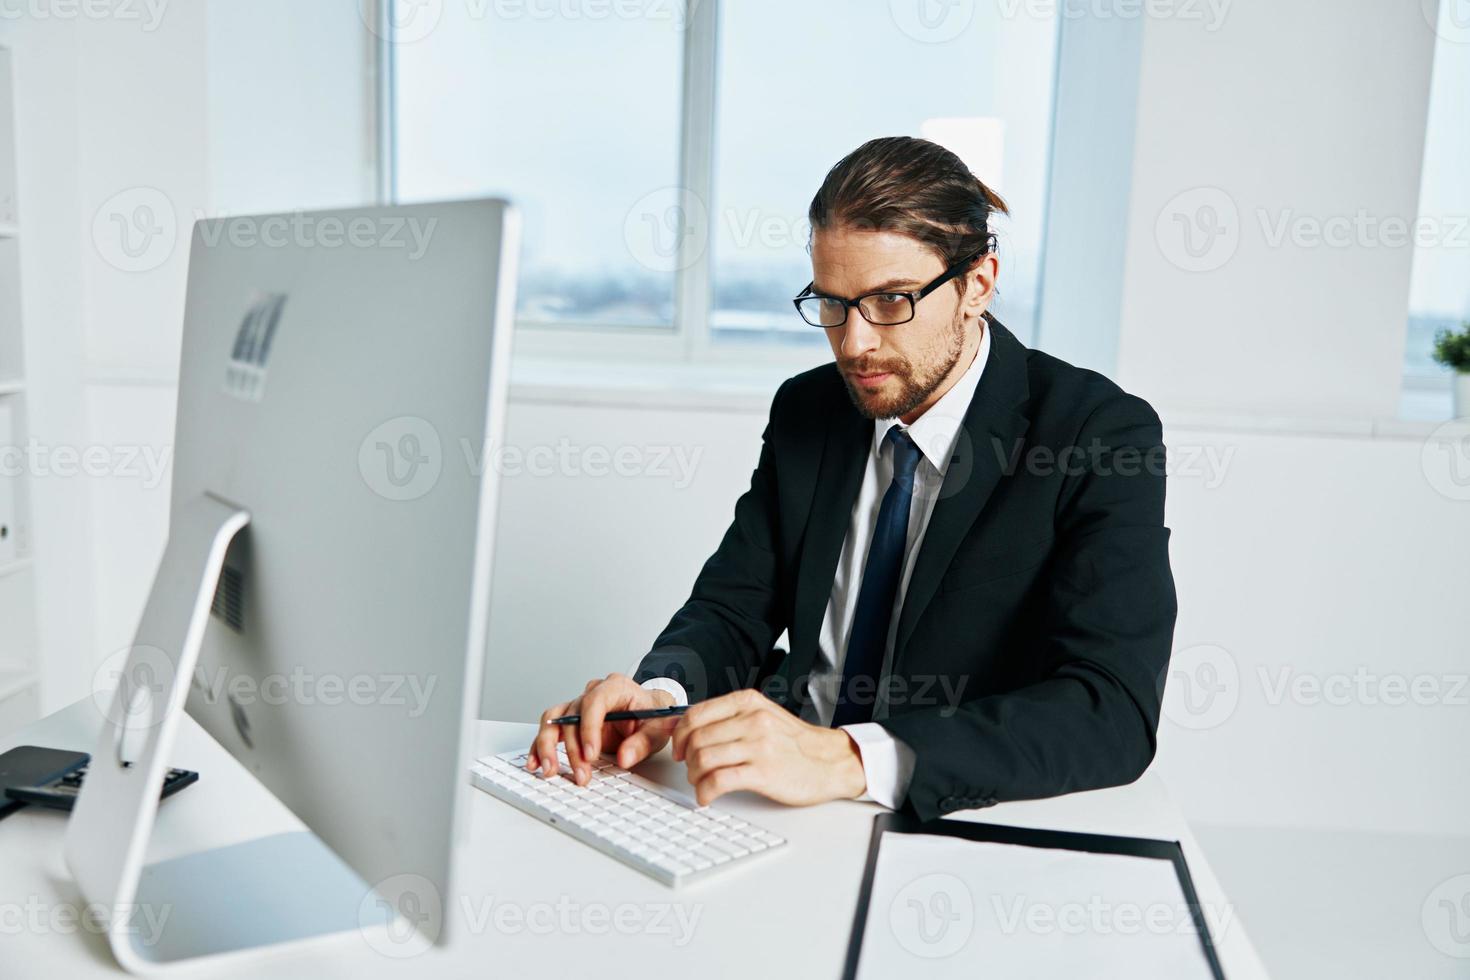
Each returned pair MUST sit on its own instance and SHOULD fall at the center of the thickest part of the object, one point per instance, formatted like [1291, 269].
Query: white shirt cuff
[681, 697]
[888, 764]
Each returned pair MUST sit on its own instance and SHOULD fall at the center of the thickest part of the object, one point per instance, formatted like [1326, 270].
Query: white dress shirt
[888, 764]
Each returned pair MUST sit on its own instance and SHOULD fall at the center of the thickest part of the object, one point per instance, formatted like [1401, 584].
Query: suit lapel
[993, 428]
[845, 452]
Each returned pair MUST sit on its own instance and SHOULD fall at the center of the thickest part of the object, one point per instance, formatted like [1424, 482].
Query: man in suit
[963, 539]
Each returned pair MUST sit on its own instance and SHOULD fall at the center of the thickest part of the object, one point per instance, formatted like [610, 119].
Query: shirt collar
[937, 430]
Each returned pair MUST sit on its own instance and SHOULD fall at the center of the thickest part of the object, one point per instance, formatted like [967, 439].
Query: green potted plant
[1452, 349]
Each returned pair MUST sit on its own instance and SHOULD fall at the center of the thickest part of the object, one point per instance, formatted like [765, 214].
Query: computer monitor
[323, 598]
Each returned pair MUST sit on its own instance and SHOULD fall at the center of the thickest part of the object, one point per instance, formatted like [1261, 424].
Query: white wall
[589, 569]
[48, 148]
[141, 126]
[1305, 112]
[140, 123]
[1319, 578]
[215, 108]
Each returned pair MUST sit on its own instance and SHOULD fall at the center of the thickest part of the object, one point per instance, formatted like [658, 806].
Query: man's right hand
[633, 741]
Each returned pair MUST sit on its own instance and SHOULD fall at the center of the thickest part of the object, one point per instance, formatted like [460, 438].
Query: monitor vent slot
[229, 598]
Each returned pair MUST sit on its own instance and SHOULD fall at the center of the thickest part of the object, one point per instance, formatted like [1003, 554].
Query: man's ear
[980, 285]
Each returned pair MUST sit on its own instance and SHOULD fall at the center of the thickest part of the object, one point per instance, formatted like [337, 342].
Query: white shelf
[12, 387]
[9, 230]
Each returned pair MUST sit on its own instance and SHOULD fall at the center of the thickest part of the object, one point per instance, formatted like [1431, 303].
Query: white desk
[786, 915]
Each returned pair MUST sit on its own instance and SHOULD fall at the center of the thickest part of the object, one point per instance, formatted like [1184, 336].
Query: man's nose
[859, 337]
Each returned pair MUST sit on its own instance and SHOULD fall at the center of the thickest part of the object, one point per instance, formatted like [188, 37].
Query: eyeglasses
[886, 308]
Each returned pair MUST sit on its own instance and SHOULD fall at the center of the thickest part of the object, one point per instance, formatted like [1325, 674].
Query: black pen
[670, 712]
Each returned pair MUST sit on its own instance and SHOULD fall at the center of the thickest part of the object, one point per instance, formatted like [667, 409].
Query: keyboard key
[670, 865]
[729, 847]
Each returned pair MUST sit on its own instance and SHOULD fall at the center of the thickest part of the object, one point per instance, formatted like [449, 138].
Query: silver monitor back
[341, 375]
[341, 424]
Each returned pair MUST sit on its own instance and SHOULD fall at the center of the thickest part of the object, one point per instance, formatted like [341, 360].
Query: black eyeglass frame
[913, 297]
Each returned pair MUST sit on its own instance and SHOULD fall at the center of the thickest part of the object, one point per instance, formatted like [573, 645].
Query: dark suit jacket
[1034, 637]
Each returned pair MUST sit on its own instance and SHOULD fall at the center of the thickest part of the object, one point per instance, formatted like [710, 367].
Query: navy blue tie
[868, 637]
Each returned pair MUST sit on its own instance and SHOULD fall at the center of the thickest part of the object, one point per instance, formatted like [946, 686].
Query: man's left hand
[744, 740]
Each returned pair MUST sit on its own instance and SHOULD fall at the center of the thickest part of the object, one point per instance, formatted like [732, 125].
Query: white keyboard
[651, 828]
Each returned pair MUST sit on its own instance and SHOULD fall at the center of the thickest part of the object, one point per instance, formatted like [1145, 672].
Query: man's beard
[915, 386]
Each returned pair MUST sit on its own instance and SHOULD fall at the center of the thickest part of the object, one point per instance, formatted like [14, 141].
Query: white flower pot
[1462, 395]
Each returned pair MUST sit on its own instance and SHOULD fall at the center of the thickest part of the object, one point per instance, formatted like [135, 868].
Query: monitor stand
[228, 902]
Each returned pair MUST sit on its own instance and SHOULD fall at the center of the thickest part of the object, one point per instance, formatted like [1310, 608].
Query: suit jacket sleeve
[715, 643]
[1109, 609]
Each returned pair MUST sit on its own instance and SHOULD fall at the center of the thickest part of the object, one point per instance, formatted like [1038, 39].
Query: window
[597, 130]
[1439, 292]
[793, 100]
[665, 168]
